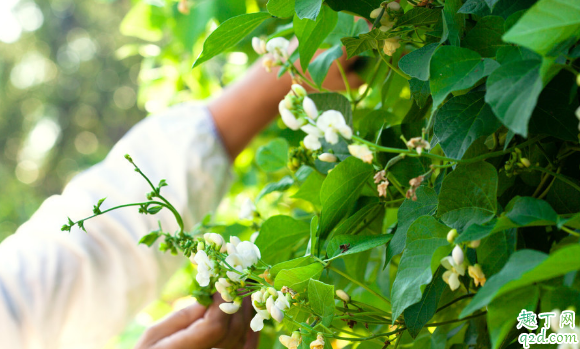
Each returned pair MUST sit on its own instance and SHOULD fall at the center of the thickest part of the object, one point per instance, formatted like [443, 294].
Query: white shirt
[77, 290]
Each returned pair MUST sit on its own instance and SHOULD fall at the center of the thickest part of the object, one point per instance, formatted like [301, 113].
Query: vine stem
[395, 69]
[369, 85]
[436, 324]
[354, 281]
[570, 231]
[122, 206]
[345, 80]
[455, 301]
[557, 176]
[362, 339]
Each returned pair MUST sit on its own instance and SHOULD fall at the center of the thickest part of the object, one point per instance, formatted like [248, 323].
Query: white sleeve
[77, 290]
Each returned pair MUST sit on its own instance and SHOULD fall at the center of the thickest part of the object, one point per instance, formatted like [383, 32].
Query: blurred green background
[76, 75]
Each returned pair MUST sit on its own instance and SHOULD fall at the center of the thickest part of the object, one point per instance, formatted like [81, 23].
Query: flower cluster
[419, 144]
[298, 111]
[362, 152]
[390, 12]
[456, 264]
[516, 164]
[292, 342]
[269, 304]
[275, 51]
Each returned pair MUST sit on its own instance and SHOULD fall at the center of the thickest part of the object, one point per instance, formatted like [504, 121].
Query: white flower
[234, 240]
[249, 253]
[259, 45]
[277, 313]
[247, 210]
[343, 296]
[254, 236]
[332, 123]
[477, 275]
[278, 47]
[419, 144]
[380, 176]
[281, 302]
[391, 45]
[288, 117]
[382, 188]
[310, 108]
[386, 23]
[222, 287]
[318, 343]
[257, 323]
[458, 256]
[312, 142]
[327, 157]
[451, 276]
[214, 238]
[394, 6]
[290, 342]
[230, 308]
[362, 152]
[578, 115]
[205, 268]
[376, 12]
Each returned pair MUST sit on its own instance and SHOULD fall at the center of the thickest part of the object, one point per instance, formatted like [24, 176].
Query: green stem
[354, 281]
[395, 69]
[345, 80]
[369, 85]
[570, 231]
[436, 324]
[455, 301]
[362, 339]
[557, 176]
[122, 206]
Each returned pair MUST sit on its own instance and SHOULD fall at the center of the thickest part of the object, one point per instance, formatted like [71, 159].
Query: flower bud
[578, 79]
[200, 246]
[231, 308]
[394, 6]
[327, 157]
[318, 343]
[474, 243]
[376, 12]
[477, 274]
[457, 254]
[276, 313]
[525, 162]
[272, 291]
[452, 235]
[299, 90]
[259, 45]
[391, 45]
[310, 108]
[343, 295]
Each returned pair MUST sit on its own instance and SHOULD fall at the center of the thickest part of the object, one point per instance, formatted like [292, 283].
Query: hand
[198, 327]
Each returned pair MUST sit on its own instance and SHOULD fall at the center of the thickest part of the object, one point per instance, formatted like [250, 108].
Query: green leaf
[418, 314]
[321, 298]
[408, 213]
[546, 25]
[356, 46]
[277, 234]
[313, 247]
[419, 16]
[307, 8]
[476, 7]
[468, 195]
[502, 313]
[144, 21]
[319, 67]
[554, 112]
[528, 211]
[485, 37]
[230, 33]
[426, 242]
[311, 34]
[291, 264]
[461, 121]
[340, 190]
[456, 68]
[298, 278]
[491, 3]
[363, 215]
[282, 185]
[416, 63]
[310, 189]
[150, 238]
[281, 8]
[495, 250]
[454, 21]
[362, 8]
[512, 93]
[420, 91]
[333, 101]
[354, 244]
[518, 264]
[273, 156]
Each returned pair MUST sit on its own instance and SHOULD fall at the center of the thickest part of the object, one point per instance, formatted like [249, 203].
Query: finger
[173, 323]
[202, 334]
[235, 334]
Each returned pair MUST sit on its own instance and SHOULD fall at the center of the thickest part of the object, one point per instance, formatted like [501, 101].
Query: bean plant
[443, 195]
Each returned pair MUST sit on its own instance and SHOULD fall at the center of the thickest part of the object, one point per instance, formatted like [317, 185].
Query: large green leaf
[547, 25]
[418, 16]
[416, 63]
[461, 121]
[354, 244]
[362, 8]
[418, 314]
[282, 185]
[307, 8]
[454, 21]
[281, 8]
[512, 92]
[420, 91]
[291, 264]
[426, 241]
[321, 299]
[518, 264]
[408, 213]
[298, 278]
[485, 37]
[495, 250]
[276, 234]
[502, 313]
[144, 21]
[340, 190]
[273, 156]
[468, 195]
[310, 189]
[476, 7]
[311, 34]
[319, 67]
[230, 33]
[455, 68]
[361, 217]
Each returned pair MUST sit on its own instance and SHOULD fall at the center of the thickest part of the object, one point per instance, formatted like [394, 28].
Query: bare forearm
[247, 106]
